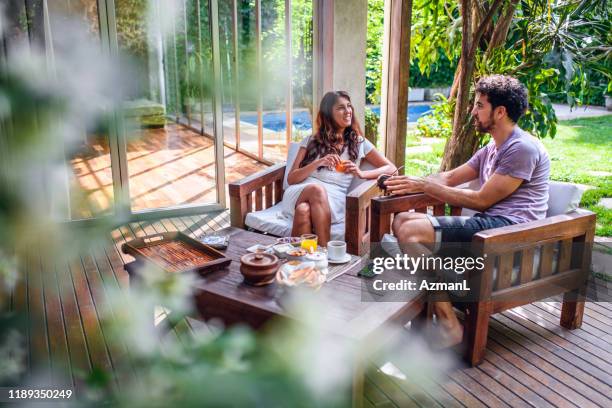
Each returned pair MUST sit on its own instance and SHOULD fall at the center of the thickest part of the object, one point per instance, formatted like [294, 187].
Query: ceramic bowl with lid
[259, 269]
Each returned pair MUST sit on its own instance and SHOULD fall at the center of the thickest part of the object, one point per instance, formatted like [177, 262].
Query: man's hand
[405, 185]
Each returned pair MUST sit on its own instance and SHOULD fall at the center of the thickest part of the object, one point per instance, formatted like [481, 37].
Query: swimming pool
[301, 119]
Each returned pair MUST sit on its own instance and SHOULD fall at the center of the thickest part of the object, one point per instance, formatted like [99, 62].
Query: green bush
[371, 126]
[439, 122]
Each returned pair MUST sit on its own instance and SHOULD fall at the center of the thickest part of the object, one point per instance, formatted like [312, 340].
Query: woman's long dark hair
[322, 142]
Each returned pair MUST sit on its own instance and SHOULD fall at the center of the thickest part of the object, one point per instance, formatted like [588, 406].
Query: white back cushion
[291, 155]
[563, 197]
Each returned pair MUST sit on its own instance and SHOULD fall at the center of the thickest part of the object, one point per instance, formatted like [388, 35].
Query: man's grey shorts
[462, 229]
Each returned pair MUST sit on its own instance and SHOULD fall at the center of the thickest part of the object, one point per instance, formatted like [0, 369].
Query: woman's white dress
[335, 183]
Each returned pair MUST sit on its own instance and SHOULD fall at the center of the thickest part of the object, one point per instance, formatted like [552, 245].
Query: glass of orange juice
[341, 166]
[309, 242]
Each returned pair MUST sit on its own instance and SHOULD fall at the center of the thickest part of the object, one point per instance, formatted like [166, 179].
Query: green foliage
[558, 49]
[439, 122]
[371, 126]
[439, 74]
[426, 69]
[374, 55]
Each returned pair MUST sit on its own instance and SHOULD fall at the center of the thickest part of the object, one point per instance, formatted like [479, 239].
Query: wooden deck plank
[417, 392]
[20, 299]
[563, 338]
[80, 362]
[577, 358]
[548, 384]
[390, 389]
[506, 363]
[99, 354]
[588, 325]
[117, 350]
[592, 318]
[484, 394]
[493, 386]
[460, 394]
[58, 344]
[373, 394]
[39, 339]
[512, 385]
[563, 383]
[580, 370]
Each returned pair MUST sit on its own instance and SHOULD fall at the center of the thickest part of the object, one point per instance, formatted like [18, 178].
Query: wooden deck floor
[167, 167]
[530, 359]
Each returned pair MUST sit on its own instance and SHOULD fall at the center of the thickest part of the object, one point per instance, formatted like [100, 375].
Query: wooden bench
[573, 232]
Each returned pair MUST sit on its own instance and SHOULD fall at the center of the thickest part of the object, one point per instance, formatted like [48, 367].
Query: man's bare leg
[414, 228]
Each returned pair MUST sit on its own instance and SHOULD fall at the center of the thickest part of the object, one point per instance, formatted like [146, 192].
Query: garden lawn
[581, 152]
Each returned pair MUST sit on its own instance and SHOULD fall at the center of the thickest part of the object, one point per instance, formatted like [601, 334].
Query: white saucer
[347, 257]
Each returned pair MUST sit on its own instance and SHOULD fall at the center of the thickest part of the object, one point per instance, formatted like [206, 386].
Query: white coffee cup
[336, 250]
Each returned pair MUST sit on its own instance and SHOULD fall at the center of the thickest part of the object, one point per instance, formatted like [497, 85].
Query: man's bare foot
[441, 337]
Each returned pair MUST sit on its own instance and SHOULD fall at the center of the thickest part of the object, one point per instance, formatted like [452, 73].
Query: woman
[325, 166]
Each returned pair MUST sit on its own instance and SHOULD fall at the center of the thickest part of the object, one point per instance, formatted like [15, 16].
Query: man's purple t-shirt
[520, 156]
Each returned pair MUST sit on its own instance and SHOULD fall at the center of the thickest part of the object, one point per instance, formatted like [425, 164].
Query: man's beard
[482, 128]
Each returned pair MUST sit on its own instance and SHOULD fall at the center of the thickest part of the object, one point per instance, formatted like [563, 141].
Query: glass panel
[247, 76]
[274, 80]
[301, 49]
[169, 163]
[228, 80]
[90, 180]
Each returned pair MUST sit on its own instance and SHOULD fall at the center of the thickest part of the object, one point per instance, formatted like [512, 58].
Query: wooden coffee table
[224, 295]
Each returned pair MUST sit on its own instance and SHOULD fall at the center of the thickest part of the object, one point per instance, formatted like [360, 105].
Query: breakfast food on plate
[297, 273]
[295, 241]
[297, 252]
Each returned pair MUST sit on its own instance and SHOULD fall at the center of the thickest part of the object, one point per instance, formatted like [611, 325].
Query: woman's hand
[351, 168]
[330, 161]
[405, 184]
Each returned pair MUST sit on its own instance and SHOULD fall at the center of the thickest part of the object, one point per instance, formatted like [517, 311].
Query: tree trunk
[464, 141]
[458, 147]
[500, 33]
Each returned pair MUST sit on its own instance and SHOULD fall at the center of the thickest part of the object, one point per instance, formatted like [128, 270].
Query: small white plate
[347, 257]
[259, 247]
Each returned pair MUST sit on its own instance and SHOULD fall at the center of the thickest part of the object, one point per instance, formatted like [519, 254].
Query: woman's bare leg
[301, 220]
[320, 213]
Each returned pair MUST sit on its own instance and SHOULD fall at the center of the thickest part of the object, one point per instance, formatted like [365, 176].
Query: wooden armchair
[265, 189]
[572, 233]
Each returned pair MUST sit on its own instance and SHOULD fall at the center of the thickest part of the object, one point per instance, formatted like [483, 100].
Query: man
[513, 170]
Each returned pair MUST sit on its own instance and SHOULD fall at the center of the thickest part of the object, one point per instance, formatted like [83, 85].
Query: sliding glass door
[170, 147]
[205, 78]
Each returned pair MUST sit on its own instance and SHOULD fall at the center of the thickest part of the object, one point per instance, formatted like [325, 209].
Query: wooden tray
[176, 252]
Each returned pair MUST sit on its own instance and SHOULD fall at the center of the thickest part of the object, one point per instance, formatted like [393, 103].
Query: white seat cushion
[269, 220]
[273, 222]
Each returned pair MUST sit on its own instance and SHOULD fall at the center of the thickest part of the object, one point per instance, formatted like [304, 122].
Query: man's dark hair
[504, 91]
